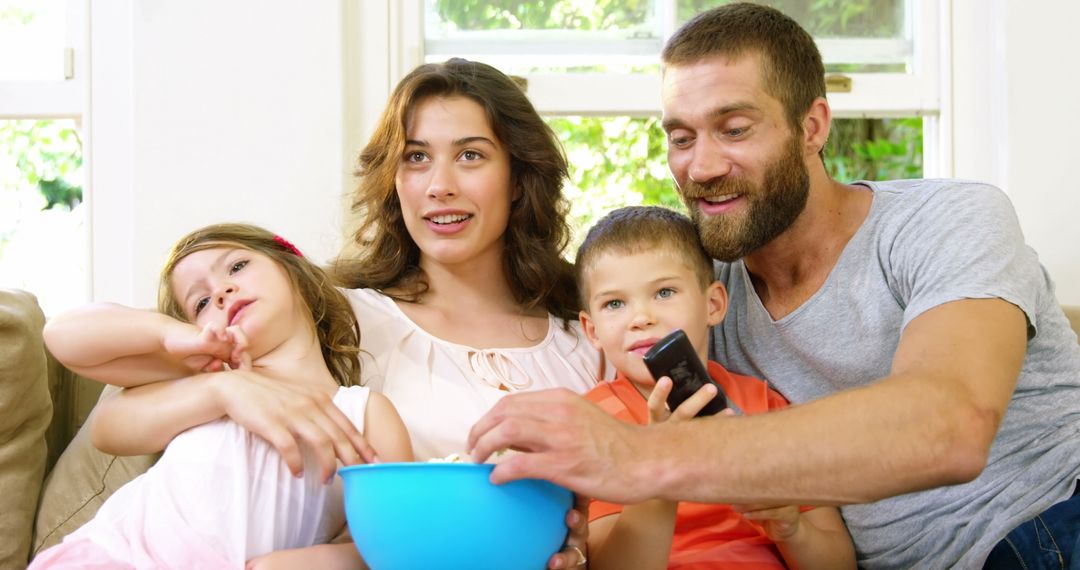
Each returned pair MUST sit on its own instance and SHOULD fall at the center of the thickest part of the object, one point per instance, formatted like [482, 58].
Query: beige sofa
[51, 479]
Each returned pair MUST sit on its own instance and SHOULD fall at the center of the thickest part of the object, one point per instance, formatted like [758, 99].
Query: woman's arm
[144, 419]
[130, 347]
[639, 537]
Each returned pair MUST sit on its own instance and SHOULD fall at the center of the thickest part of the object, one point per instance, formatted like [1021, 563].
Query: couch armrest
[25, 412]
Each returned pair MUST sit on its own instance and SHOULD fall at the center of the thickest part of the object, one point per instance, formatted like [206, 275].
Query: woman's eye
[200, 305]
[238, 266]
[415, 156]
[471, 155]
[665, 293]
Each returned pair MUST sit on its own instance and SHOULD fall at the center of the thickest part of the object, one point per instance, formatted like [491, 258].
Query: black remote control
[675, 358]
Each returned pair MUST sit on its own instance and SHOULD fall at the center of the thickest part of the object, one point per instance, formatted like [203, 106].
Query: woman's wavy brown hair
[384, 255]
[331, 313]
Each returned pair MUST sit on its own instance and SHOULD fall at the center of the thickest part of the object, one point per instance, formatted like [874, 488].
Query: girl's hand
[780, 523]
[659, 412]
[205, 350]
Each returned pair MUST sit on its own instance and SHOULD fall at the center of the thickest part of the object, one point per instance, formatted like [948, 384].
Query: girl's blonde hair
[335, 322]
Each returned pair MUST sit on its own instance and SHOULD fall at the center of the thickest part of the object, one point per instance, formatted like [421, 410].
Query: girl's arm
[129, 347]
[144, 419]
[639, 537]
[385, 431]
[809, 540]
[323, 556]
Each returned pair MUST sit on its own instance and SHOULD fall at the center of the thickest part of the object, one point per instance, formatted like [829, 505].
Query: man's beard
[770, 209]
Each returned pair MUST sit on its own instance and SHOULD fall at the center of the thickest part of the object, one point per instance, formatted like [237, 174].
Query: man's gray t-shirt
[925, 243]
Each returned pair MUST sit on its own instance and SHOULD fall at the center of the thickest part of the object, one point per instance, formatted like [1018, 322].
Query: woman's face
[453, 181]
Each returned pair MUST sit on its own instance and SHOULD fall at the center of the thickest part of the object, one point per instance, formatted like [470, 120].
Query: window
[592, 67]
[43, 234]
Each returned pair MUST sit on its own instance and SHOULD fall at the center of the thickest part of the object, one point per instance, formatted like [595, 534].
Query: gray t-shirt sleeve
[961, 242]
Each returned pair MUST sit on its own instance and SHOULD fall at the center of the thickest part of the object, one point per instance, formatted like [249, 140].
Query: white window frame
[922, 93]
[54, 99]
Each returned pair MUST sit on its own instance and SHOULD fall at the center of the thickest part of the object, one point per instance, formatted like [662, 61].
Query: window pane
[626, 36]
[622, 161]
[42, 240]
[35, 31]
[875, 149]
[448, 16]
[828, 18]
[614, 161]
[854, 36]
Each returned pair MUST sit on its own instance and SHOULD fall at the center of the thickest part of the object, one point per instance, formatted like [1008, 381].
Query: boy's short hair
[635, 229]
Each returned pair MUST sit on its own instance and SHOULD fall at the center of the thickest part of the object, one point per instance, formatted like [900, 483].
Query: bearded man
[936, 378]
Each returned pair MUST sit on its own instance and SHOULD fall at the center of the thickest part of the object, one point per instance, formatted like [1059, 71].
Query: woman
[467, 296]
[458, 286]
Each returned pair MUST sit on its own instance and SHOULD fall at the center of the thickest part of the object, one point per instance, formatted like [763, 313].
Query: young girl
[231, 296]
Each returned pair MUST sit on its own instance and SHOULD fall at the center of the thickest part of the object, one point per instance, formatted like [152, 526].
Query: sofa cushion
[24, 398]
[79, 483]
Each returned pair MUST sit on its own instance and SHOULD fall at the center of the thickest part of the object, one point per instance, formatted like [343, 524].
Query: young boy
[642, 274]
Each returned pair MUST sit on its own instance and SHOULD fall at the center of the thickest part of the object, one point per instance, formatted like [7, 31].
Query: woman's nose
[442, 184]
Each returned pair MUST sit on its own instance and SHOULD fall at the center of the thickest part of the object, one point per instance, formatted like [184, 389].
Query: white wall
[1016, 103]
[205, 111]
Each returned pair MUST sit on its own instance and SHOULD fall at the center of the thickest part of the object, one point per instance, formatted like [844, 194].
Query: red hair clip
[288, 246]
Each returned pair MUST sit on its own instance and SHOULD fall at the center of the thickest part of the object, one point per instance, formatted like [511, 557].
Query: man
[934, 374]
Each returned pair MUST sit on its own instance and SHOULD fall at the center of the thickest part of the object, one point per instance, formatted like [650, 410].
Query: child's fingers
[658, 410]
[689, 408]
[237, 337]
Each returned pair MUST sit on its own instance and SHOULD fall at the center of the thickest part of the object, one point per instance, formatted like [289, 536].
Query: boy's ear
[589, 327]
[716, 303]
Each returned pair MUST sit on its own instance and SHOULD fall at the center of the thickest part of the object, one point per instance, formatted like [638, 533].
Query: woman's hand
[286, 414]
[574, 550]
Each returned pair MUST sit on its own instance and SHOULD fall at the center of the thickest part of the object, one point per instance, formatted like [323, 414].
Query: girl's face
[453, 182]
[233, 286]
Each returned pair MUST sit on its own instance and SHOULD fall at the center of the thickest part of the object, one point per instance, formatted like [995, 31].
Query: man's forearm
[853, 447]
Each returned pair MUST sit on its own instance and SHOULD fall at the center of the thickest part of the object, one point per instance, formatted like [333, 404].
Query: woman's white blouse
[441, 389]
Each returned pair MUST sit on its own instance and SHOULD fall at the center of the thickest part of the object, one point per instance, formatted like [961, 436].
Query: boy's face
[637, 299]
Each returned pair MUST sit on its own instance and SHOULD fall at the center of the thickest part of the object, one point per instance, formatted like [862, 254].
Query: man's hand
[567, 440]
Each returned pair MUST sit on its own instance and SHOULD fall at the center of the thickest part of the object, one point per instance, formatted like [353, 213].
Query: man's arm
[929, 423]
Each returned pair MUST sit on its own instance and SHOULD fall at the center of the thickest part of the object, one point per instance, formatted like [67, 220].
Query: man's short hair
[636, 229]
[791, 63]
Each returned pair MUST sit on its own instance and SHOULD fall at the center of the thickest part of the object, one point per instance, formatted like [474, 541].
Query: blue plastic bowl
[448, 515]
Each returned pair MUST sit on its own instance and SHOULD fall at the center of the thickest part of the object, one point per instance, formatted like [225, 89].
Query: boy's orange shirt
[706, 535]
